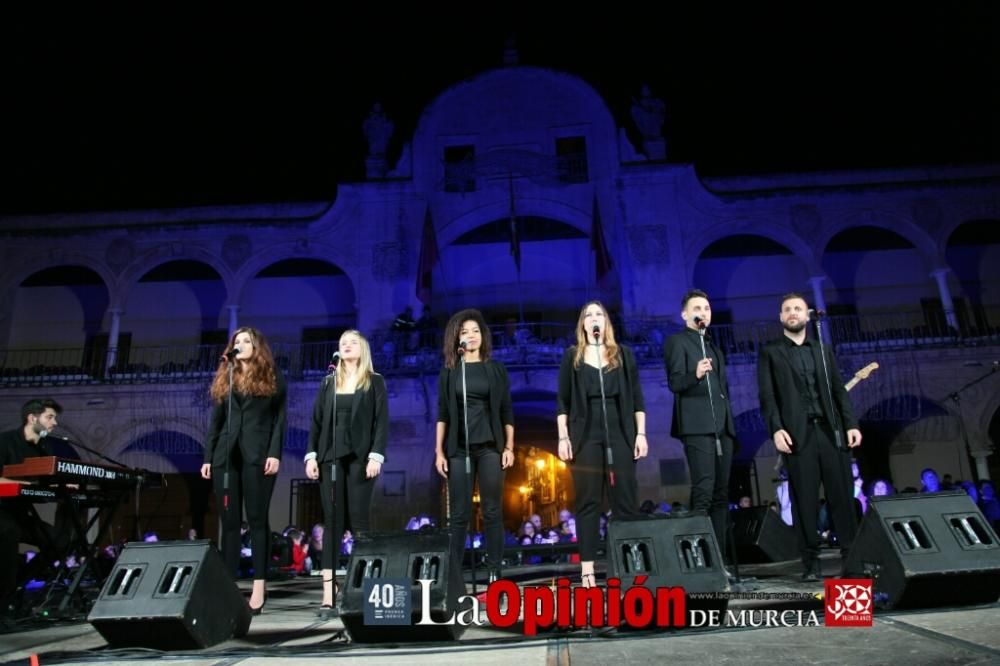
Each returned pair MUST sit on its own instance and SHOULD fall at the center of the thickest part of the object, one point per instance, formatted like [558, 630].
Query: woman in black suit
[350, 428]
[580, 420]
[490, 443]
[243, 449]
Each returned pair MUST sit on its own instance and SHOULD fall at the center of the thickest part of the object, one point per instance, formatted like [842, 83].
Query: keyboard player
[18, 523]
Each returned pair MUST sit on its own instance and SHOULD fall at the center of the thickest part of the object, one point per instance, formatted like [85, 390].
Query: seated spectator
[988, 502]
[314, 557]
[647, 507]
[881, 488]
[299, 550]
[970, 489]
[947, 483]
[930, 480]
[745, 502]
[150, 537]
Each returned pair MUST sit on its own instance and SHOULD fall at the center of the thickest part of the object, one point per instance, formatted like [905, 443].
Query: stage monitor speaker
[762, 536]
[413, 556]
[672, 552]
[934, 549]
[170, 595]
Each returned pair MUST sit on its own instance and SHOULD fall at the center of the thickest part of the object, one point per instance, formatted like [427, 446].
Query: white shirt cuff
[377, 457]
[309, 456]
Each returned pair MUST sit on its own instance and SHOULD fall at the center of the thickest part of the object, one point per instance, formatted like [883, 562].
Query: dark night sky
[125, 110]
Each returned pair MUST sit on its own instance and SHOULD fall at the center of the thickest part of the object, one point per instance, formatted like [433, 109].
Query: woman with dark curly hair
[246, 434]
[484, 404]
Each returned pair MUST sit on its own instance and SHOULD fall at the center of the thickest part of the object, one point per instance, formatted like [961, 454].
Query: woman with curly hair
[583, 426]
[485, 404]
[246, 434]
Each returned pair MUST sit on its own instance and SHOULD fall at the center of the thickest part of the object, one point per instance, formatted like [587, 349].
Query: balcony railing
[517, 345]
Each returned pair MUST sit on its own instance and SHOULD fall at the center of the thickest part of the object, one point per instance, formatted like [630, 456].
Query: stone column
[941, 275]
[116, 322]
[234, 322]
[982, 465]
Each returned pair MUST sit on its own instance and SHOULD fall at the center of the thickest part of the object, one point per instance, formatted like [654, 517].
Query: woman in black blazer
[580, 420]
[350, 428]
[243, 449]
[490, 444]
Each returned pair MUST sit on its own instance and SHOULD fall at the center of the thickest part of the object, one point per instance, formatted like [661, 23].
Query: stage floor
[288, 630]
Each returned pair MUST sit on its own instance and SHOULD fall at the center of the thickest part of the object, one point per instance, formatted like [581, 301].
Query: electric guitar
[860, 375]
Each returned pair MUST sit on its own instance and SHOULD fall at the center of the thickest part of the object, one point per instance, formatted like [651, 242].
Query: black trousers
[589, 480]
[346, 504]
[816, 460]
[486, 466]
[18, 524]
[250, 488]
[710, 480]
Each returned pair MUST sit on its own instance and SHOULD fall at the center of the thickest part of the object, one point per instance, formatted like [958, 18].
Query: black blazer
[501, 411]
[692, 408]
[572, 398]
[781, 389]
[369, 424]
[258, 426]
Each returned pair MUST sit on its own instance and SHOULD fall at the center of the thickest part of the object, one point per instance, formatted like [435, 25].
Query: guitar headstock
[864, 372]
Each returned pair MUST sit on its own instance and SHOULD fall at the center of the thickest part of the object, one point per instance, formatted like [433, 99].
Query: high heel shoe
[259, 609]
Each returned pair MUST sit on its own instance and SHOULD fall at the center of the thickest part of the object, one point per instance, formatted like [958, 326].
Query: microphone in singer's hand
[231, 354]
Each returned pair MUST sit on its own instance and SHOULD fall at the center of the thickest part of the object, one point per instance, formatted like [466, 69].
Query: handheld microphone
[597, 333]
[231, 354]
[819, 314]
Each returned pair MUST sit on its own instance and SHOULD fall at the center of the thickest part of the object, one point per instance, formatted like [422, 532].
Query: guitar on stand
[861, 375]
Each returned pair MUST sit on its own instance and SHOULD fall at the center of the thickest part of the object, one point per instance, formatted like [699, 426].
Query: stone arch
[746, 273]
[59, 306]
[910, 231]
[164, 254]
[972, 253]
[299, 299]
[874, 267]
[159, 312]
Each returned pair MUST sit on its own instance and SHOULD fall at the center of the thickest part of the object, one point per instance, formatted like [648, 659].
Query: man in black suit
[805, 405]
[702, 418]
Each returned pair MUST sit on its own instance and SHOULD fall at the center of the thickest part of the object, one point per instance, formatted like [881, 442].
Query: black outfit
[579, 399]
[18, 522]
[694, 425]
[794, 396]
[256, 432]
[343, 439]
[490, 411]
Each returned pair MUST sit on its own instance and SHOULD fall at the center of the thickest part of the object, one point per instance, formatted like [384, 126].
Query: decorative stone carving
[649, 112]
[389, 260]
[119, 254]
[236, 250]
[648, 244]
